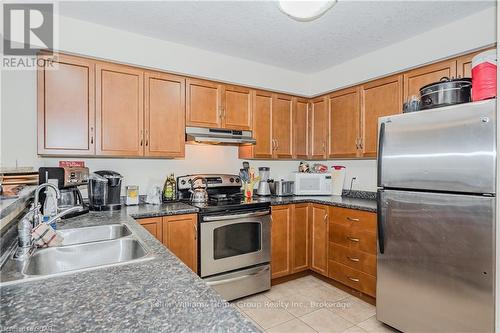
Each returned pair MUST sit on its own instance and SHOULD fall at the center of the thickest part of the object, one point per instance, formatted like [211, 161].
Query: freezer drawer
[435, 266]
[449, 149]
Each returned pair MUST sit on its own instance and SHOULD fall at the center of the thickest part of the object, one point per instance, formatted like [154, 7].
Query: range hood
[219, 136]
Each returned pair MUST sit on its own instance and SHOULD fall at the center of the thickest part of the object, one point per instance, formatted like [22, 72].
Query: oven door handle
[235, 216]
[224, 281]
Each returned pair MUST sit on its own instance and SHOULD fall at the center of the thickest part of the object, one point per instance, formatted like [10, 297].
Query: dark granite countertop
[368, 205]
[157, 295]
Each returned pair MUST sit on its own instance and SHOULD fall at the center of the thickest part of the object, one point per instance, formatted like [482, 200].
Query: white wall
[470, 33]
[18, 92]
[95, 40]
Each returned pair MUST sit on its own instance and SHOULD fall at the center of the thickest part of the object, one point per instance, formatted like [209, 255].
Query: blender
[263, 188]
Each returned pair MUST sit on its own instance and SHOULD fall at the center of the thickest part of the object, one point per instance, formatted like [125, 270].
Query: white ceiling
[259, 31]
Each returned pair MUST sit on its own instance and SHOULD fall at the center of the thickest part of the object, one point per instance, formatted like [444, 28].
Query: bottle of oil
[169, 188]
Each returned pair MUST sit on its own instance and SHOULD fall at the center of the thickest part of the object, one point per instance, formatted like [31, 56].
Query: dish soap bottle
[169, 189]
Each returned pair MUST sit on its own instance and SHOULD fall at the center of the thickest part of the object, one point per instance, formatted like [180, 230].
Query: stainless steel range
[234, 236]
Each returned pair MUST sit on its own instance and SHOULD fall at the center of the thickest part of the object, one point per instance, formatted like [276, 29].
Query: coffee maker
[104, 190]
[263, 188]
[67, 180]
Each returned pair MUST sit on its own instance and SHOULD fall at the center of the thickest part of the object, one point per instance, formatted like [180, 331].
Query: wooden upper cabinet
[119, 110]
[280, 240]
[319, 128]
[282, 116]
[262, 127]
[464, 63]
[203, 103]
[417, 78]
[299, 242]
[319, 238]
[66, 113]
[344, 123]
[164, 115]
[237, 108]
[379, 98]
[180, 234]
[301, 128]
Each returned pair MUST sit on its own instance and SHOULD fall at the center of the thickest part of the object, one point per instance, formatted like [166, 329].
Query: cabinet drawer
[356, 219]
[359, 260]
[353, 238]
[352, 278]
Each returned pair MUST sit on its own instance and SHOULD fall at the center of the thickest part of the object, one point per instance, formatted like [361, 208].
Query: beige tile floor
[310, 305]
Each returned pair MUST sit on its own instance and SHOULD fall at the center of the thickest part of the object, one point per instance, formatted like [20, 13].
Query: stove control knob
[183, 182]
[231, 180]
[237, 180]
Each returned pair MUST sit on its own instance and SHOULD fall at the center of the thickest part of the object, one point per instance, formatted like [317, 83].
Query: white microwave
[312, 183]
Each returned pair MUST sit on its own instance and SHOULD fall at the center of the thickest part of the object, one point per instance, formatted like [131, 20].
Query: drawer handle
[353, 279]
[353, 259]
[352, 219]
[352, 239]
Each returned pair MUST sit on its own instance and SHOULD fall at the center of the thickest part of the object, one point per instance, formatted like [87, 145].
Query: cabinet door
[282, 126]
[153, 225]
[379, 98]
[164, 115]
[344, 123]
[119, 110]
[417, 78]
[301, 128]
[280, 240]
[319, 238]
[300, 238]
[237, 109]
[180, 233]
[319, 128]
[262, 128]
[203, 103]
[66, 112]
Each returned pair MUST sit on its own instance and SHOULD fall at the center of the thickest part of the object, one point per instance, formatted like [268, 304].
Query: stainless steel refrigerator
[436, 219]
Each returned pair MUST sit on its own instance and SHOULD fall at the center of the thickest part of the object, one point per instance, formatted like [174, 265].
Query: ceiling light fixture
[305, 10]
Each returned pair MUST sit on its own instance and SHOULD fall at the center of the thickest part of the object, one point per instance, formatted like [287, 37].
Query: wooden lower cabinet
[319, 238]
[178, 233]
[352, 249]
[300, 238]
[338, 243]
[353, 278]
[153, 225]
[280, 240]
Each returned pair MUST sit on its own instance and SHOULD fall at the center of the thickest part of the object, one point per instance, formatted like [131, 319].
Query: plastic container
[484, 75]
[132, 195]
[338, 178]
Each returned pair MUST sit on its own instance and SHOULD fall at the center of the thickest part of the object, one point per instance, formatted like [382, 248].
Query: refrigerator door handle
[380, 223]
[379, 155]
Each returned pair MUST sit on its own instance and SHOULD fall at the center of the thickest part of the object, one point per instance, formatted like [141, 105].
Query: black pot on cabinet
[445, 92]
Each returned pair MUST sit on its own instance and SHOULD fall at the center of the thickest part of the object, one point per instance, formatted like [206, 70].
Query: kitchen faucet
[32, 220]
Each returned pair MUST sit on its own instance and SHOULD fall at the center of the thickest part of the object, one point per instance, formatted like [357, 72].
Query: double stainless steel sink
[86, 248]
[94, 234]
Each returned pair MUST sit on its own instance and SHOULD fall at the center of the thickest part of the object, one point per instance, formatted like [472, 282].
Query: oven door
[233, 241]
